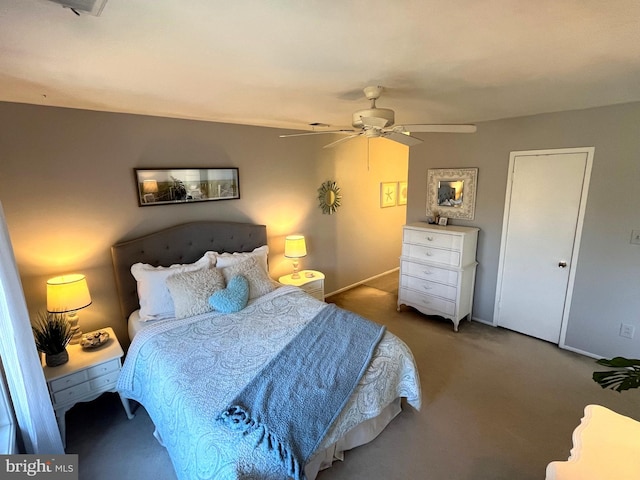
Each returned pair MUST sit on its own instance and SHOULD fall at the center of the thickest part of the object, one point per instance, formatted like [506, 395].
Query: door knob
[562, 264]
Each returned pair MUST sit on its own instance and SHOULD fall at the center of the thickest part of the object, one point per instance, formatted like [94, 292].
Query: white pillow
[250, 268]
[227, 259]
[153, 294]
[190, 291]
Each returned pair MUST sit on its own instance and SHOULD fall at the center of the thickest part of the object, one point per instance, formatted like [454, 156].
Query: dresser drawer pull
[428, 254]
[430, 239]
[427, 272]
[427, 287]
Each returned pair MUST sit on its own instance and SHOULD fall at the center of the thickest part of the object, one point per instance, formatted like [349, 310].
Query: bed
[187, 369]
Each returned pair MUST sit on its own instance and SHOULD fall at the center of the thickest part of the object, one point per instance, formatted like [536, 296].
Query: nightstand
[311, 281]
[87, 375]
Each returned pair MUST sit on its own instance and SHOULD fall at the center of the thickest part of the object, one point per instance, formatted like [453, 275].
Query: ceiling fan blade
[374, 122]
[436, 128]
[403, 138]
[333, 144]
[316, 133]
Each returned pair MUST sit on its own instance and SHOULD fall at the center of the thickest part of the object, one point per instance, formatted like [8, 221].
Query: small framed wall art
[402, 193]
[185, 185]
[388, 194]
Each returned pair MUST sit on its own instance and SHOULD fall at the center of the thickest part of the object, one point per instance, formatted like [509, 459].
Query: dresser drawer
[432, 255]
[71, 395]
[316, 293]
[433, 239]
[68, 381]
[424, 286]
[429, 272]
[101, 383]
[435, 305]
[104, 368]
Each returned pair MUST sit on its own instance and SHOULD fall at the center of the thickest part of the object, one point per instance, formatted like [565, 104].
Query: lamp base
[76, 333]
[295, 273]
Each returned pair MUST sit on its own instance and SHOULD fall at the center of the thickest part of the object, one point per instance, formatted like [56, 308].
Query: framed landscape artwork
[186, 185]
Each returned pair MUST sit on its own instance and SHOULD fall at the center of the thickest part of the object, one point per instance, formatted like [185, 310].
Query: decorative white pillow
[153, 294]
[228, 259]
[190, 291]
[259, 282]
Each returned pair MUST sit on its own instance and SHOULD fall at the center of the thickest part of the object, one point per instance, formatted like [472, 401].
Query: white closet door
[542, 216]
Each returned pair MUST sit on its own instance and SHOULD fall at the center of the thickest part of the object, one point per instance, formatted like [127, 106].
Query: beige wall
[607, 284]
[68, 192]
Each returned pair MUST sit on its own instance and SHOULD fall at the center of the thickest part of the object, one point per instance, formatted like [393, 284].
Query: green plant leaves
[51, 332]
[625, 376]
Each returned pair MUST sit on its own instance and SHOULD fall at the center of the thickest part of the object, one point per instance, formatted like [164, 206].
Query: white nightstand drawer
[446, 291]
[104, 368]
[429, 272]
[434, 255]
[68, 381]
[433, 239]
[437, 306]
[101, 383]
[71, 394]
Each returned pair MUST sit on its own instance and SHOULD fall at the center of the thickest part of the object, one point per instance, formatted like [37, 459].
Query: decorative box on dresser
[438, 270]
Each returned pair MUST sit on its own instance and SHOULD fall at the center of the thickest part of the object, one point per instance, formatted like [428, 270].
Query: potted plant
[52, 334]
[624, 376]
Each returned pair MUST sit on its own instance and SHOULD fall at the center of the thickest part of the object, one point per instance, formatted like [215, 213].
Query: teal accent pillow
[233, 298]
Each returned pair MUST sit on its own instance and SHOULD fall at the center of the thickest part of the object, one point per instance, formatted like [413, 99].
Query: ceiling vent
[91, 7]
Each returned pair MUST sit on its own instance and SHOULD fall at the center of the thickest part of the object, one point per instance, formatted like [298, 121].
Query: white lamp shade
[295, 246]
[67, 293]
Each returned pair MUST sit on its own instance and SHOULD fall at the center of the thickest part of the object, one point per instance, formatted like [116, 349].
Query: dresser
[311, 281]
[88, 374]
[438, 269]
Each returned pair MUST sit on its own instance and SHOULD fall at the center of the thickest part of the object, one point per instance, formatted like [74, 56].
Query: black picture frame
[177, 186]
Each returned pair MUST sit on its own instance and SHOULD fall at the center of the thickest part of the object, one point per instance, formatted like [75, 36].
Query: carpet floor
[496, 405]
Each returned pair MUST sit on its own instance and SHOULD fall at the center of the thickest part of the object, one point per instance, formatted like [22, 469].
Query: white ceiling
[288, 63]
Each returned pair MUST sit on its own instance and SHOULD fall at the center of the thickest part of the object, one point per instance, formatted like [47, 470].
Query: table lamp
[295, 248]
[68, 294]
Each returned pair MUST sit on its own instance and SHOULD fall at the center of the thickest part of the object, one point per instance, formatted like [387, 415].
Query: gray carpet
[496, 405]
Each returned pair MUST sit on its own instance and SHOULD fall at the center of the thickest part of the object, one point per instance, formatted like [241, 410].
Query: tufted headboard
[183, 243]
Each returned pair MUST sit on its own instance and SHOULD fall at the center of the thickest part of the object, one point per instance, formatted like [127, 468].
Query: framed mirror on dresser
[451, 192]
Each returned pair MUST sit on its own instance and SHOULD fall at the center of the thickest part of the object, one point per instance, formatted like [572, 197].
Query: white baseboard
[562, 346]
[353, 285]
[480, 320]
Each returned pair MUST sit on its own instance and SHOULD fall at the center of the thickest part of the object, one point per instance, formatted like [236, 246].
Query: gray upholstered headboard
[184, 243]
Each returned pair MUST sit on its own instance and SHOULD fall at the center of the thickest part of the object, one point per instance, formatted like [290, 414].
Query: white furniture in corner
[438, 270]
[605, 446]
[311, 281]
[87, 375]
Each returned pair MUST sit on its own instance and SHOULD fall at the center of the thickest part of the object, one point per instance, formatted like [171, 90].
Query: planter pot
[56, 359]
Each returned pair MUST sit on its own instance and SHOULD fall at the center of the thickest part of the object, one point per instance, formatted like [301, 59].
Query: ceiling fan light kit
[375, 122]
[91, 7]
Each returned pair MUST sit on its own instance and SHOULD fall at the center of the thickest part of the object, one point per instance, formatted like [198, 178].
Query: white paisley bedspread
[184, 372]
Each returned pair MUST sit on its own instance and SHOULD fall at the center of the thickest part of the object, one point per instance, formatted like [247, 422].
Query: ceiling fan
[375, 122]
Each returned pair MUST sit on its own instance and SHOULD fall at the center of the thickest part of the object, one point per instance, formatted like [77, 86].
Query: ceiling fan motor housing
[382, 113]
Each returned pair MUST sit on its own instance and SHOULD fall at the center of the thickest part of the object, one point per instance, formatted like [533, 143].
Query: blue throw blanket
[298, 395]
